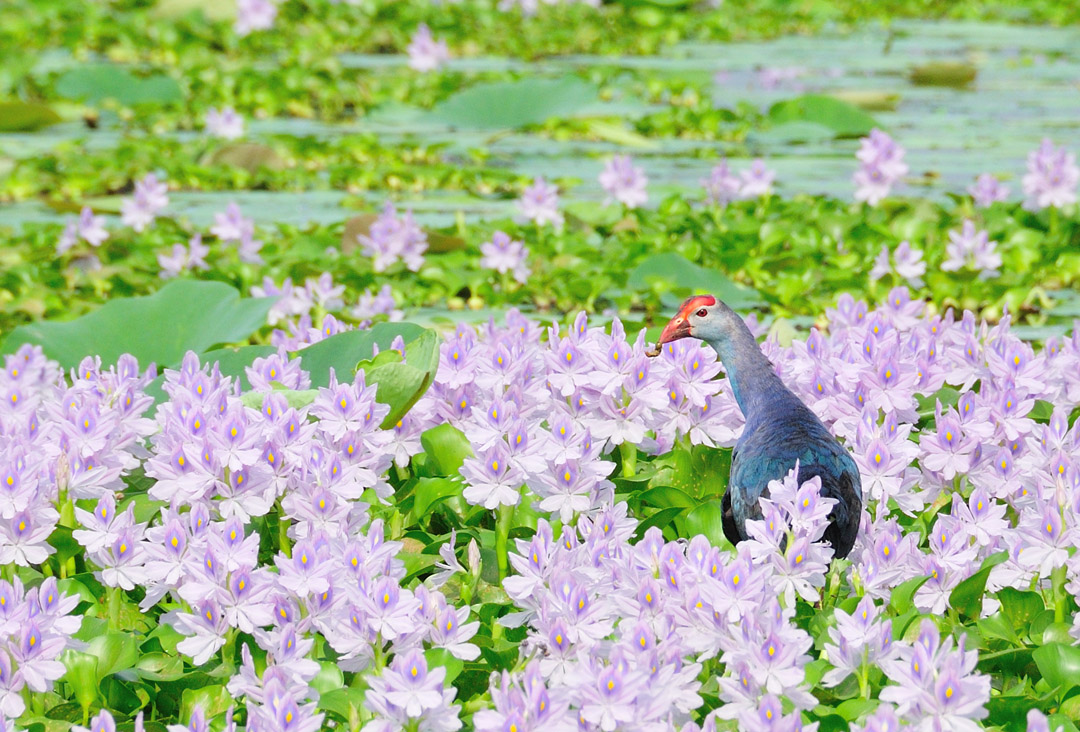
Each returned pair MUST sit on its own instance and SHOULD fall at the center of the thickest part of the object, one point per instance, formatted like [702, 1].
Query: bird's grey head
[704, 317]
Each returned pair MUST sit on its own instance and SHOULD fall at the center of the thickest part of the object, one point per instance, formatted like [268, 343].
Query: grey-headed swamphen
[780, 429]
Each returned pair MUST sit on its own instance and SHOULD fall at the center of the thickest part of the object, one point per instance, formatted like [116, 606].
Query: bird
[780, 433]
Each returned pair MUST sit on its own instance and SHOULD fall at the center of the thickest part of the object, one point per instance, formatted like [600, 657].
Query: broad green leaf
[446, 447]
[82, 675]
[160, 667]
[95, 83]
[213, 699]
[431, 491]
[1020, 607]
[660, 520]
[342, 352]
[706, 519]
[441, 657]
[967, 596]
[328, 678]
[1059, 664]
[852, 709]
[342, 702]
[25, 116]
[667, 497]
[402, 383]
[184, 315]
[673, 272]
[900, 601]
[115, 651]
[845, 120]
[513, 104]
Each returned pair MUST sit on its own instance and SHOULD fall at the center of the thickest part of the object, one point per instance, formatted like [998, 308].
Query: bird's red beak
[678, 327]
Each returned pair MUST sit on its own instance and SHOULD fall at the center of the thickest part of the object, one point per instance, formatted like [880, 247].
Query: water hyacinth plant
[329, 397]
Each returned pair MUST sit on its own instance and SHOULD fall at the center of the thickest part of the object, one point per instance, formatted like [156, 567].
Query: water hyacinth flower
[972, 249]
[149, 198]
[757, 180]
[425, 53]
[88, 227]
[987, 190]
[1052, 177]
[254, 15]
[231, 224]
[394, 238]
[722, 186]
[226, 124]
[539, 203]
[624, 182]
[182, 259]
[504, 254]
[881, 166]
[905, 262]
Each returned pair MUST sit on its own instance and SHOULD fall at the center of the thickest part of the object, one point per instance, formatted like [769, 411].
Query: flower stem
[284, 545]
[502, 537]
[628, 452]
[228, 651]
[114, 607]
[1057, 581]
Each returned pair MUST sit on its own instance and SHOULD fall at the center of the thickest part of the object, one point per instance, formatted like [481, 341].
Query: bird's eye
[702, 313]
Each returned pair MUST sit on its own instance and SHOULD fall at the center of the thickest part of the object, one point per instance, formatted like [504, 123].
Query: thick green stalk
[115, 600]
[628, 452]
[1057, 582]
[502, 537]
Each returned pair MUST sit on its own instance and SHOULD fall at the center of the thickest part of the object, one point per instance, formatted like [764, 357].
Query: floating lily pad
[844, 119]
[513, 104]
[25, 116]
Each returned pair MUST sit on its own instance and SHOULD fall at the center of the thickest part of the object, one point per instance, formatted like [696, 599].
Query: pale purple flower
[189, 258]
[881, 165]
[906, 263]
[504, 254]
[149, 198]
[254, 15]
[722, 186]
[394, 238]
[226, 124]
[987, 190]
[756, 181]
[972, 249]
[91, 228]
[1052, 177]
[624, 181]
[425, 53]
[539, 203]
[232, 225]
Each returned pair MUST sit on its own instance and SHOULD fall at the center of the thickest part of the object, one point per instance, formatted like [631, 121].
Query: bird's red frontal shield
[679, 326]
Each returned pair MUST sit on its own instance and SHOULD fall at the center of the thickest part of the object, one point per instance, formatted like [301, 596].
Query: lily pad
[513, 104]
[844, 119]
[105, 81]
[184, 315]
[25, 116]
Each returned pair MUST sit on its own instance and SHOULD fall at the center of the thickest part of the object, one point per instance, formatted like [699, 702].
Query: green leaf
[967, 596]
[852, 709]
[213, 699]
[669, 271]
[846, 120]
[660, 520]
[25, 116]
[431, 491]
[160, 667]
[184, 315]
[115, 651]
[446, 448]
[82, 675]
[706, 519]
[328, 678]
[900, 600]
[342, 702]
[402, 383]
[343, 351]
[512, 104]
[667, 497]
[1020, 607]
[441, 657]
[95, 83]
[1059, 664]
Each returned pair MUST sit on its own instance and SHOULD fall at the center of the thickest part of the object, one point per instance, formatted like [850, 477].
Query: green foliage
[512, 104]
[845, 120]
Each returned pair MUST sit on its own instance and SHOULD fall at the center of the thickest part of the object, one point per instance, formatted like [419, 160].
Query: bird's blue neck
[754, 382]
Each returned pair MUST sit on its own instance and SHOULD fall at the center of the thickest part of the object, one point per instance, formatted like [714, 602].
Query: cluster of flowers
[425, 53]
[969, 249]
[217, 464]
[724, 186]
[394, 238]
[881, 166]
